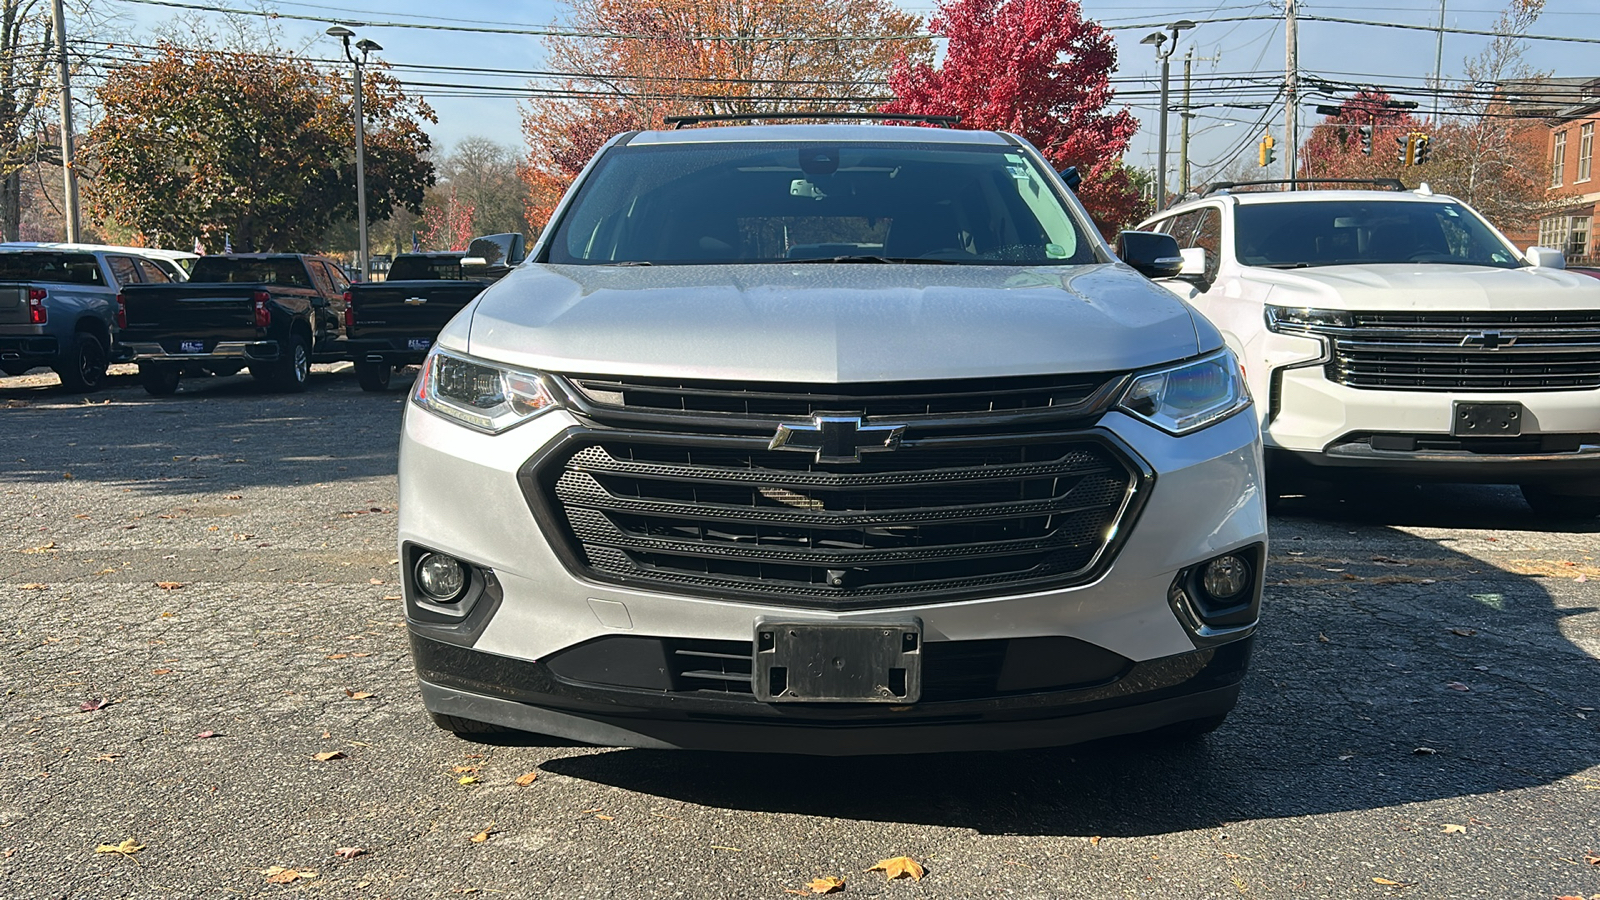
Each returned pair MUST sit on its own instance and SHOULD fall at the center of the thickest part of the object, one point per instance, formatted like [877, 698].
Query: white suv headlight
[1294, 319]
[1187, 397]
[479, 394]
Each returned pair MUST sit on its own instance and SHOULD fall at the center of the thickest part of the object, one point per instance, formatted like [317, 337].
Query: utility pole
[1186, 115]
[69, 172]
[1291, 76]
[1438, 65]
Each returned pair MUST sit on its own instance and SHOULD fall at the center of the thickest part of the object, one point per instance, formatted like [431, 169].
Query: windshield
[287, 270]
[1344, 232]
[713, 203]
[71, 268]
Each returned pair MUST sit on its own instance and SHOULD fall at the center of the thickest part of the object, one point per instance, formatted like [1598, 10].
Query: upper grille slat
[944, 515]
[1485, 352]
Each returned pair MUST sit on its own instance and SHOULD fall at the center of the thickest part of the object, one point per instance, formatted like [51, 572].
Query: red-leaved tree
[448, 226]
[1035, 68]
[1333, 149]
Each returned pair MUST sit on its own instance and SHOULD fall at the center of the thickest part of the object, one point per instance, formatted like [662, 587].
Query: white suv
[1397, 333]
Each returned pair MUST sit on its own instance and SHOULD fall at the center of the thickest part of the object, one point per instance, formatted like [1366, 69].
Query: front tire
[159, 381]
[374, 376]
[1550, 502]
[84, 369]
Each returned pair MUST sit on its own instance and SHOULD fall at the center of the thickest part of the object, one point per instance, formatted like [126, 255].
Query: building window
[1585, 150]
[1558, 159]
[1577, 244]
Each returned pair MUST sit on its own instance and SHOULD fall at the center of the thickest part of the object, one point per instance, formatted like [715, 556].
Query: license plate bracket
[1486, 420]
[837, 662]
[191, 346]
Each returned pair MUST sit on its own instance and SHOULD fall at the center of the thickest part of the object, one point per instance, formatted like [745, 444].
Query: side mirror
[1150, 253]
[1072, 177]
[1194, 262]
[319, 302]
[473, 262]
[1546, 258]
[496, 250]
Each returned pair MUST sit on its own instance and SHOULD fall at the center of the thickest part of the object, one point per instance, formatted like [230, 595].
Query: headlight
[480, 395]
[1293, 319]
[1190, 396]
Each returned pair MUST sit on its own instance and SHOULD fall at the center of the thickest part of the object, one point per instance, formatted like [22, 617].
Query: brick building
[1570, 111]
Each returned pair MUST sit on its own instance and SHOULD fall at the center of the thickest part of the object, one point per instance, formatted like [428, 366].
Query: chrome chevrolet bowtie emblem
[1489, 340]
[836, 438]
[415, 301]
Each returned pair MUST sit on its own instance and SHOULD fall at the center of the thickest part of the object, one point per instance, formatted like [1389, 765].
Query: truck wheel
[374, 376]
[1550, 502]
[293, 367]
[159, 381]
[466, 727]
[84, 368]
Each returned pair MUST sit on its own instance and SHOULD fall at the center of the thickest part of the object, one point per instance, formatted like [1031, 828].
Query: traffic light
[1266, 155]
[1366, 139]
[1408, 148]
[1420, 149]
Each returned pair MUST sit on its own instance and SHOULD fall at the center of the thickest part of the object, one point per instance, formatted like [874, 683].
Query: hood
[1430, 288]
[829, 323]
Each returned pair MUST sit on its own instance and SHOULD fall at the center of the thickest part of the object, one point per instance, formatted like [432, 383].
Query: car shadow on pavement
[232, 434]
[1389, 669]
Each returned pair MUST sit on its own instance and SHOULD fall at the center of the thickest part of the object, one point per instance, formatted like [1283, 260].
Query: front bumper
[1315, 422]
[526, 695]
[459, 494]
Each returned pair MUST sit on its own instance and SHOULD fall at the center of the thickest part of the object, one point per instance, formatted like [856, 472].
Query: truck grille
[943, 516]
[1485, 352]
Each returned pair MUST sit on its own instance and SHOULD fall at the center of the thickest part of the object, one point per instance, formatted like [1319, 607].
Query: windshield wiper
[630, 262]
[865, 258]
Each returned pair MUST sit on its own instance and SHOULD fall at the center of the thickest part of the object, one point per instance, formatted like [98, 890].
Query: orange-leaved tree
[1038, 69]
[643, 60]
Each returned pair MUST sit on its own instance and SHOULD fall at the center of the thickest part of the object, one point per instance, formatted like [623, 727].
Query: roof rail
[1392, 184]
[681, 121]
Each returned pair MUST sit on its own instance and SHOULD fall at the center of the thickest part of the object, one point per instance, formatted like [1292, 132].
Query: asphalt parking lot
[200, 598]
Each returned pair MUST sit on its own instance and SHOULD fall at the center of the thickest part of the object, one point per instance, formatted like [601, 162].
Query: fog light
[441, 577]
[1226, 577]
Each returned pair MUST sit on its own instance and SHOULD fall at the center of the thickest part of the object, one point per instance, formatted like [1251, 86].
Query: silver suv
[830, 439]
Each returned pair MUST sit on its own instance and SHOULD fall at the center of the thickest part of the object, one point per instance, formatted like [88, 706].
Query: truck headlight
[479, 394]
[1190, 396]
[1300, 319]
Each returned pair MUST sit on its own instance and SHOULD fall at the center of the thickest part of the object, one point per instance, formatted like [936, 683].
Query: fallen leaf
[127, 848]
[161, 672]
[357, 695]
[1095, 841]
[899, 867]
[170, 585]
[525, 780]
[483, 835]
[93, 705]
[828, 884]
[464, 770]
[35, 586]
[1464, 632]
[206, 734]
[1592, 859]
[281, 875]
[337, 656]
[1388, 881]
[467, 779]
[233, 497]
[1453, 829]
[604, 817]
[1424, 751]
[374, 581]
[329, 755]
[349, 852]
[42, 548]
[1457, 686]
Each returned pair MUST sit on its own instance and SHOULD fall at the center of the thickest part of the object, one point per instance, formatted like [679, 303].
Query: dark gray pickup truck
[393, 323]
[276, 313]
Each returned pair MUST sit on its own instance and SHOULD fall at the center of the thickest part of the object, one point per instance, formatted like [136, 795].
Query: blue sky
[1345, 53]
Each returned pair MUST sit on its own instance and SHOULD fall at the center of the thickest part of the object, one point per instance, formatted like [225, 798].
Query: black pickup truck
[276, 313]
[393, 323]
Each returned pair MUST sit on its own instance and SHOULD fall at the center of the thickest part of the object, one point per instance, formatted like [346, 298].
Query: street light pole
[1164, 48]
[69, 170]
[365, 46]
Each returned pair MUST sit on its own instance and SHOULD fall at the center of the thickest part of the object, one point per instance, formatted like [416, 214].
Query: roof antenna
[1424, 190]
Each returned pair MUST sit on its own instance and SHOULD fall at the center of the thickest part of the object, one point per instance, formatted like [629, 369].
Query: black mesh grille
[899, 399]
[1489, 351]
[735, 518]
